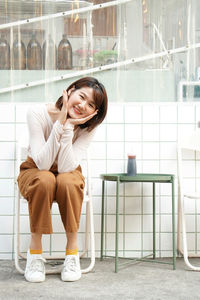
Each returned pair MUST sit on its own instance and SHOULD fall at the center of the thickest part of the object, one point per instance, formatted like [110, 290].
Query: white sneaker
[35, 269]
[71, 270]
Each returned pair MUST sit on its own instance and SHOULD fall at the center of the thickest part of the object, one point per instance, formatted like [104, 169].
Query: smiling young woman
[59, 134]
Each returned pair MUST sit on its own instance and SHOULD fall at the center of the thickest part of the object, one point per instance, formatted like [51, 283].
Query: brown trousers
[41, 188]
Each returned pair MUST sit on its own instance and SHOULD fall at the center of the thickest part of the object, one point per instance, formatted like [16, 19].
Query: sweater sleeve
[42, 151]
[71, 154]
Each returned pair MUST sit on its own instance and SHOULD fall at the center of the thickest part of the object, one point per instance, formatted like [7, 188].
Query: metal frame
[142, 177]
[186, 142]
[89, 225]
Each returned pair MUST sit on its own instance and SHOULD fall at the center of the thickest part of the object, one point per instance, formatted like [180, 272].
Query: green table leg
[173, 226]
[154, 221]
[102, 219]
[117, 226]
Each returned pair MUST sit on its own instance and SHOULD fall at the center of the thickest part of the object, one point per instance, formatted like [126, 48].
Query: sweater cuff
[68, 125]
[58, 128]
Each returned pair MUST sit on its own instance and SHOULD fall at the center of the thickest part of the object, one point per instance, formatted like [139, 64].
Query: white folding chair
[185, 142]
[89, 224]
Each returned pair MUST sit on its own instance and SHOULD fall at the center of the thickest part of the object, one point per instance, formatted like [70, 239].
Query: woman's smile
[76, 110]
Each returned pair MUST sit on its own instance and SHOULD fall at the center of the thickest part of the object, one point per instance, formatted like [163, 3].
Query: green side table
[141, 177]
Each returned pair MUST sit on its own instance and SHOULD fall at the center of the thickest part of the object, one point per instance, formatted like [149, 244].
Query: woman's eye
[81, 96]
[91, 105]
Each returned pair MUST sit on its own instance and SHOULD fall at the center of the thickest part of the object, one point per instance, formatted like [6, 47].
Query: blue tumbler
[131, 167]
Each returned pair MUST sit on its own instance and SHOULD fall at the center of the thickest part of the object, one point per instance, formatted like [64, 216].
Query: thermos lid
[131, 156]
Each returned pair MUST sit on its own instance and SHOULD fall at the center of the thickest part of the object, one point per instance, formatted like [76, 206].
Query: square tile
[115, 150]
[133, 113]
[59, 242]
[6, 243]
[133, 205]
[7, 187]
[150, 113]
[115, 113]
[133, 189]
[168, 132]
[7, 150]
[6, 169]
[168, 150]
[7, 113]
[148, 242]
[148, 205]
[133, 241]
[185, 129]
[115, 132]
[21, 113]
[98, 150]
[6, 224]
[116, 166]
[166, 223]
[100, 134]
[110, 242]
[150, 150]
[6, 205]
[168, 113]
[168, 167]
[186, 113]
[111, 223]
[150, 132]
[133, 132]
[150, 166]
[132, 223]
[98, 167]
[110, 205]
[7, 132]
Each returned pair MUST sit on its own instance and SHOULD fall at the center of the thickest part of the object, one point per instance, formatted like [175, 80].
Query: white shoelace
[37, 265]
[70, 264]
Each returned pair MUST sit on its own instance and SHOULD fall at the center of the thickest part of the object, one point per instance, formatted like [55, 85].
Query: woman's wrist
[68, 125]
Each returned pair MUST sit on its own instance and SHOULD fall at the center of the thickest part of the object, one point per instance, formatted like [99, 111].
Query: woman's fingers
[82, 120]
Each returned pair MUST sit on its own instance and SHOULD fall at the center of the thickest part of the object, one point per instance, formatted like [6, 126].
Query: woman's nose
[82, 104]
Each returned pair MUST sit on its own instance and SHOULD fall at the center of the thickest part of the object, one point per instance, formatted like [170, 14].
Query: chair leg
[90, 221]
[185, 250]
[179, 249]
[17, 233]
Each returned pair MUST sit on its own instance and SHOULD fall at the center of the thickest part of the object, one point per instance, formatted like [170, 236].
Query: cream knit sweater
[52, 142]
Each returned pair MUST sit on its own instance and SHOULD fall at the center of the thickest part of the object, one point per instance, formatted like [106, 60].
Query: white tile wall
[150, 131]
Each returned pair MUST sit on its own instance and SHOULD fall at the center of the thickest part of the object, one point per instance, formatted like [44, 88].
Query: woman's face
[81, 103]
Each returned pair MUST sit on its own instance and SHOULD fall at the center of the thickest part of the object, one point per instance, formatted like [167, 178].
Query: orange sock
[33, 251]
[71, 251]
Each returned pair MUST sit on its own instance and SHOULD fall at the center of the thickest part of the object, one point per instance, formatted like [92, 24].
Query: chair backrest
[22, 152]
[188, 141]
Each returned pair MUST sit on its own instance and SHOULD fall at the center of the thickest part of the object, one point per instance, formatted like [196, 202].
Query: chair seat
[191, 195]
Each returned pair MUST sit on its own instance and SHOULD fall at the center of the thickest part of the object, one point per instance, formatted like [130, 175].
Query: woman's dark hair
[99, 96]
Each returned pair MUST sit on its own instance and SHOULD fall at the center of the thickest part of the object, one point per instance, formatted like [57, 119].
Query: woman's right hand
[62, 118]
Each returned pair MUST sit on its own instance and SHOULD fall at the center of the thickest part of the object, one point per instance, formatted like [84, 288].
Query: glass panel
[39, 45]
[140, 49]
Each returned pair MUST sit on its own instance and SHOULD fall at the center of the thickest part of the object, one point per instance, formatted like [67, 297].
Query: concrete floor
[135, 281]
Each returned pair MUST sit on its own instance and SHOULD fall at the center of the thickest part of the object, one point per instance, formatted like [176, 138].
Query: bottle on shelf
[64, 54]
[34, 54]
[131, 166]
[49, 54]
[19, 54]
[4, 53]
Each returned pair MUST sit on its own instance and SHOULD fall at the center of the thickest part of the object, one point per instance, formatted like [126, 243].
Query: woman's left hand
[81, 120]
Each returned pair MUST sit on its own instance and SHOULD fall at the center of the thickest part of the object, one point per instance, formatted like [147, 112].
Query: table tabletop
[140, 177]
